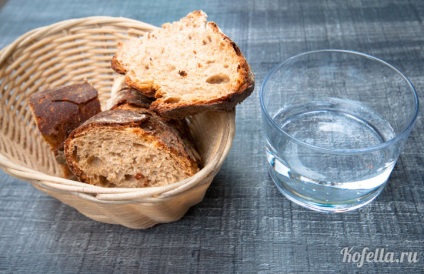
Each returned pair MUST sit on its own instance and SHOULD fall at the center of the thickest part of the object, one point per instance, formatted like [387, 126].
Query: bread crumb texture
[126, 148]
[122, 158]
[188, 62]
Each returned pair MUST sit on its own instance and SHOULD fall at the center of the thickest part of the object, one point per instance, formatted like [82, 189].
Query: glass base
[327, 206]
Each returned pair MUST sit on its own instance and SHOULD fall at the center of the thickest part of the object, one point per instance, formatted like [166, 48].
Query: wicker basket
[68, 52]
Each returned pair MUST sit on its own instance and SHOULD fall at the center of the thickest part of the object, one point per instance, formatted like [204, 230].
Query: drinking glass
[335, 122]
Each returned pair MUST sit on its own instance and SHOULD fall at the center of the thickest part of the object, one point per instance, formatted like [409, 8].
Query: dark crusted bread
[131, 97]
[189, 66]
[130, 147]
[123, 96]
[60, 110]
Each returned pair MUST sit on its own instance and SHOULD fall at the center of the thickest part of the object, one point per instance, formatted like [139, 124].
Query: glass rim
[383, 145]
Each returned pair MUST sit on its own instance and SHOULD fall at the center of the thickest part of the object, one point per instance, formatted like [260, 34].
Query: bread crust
[127, 96]
[59, 111]
[116, 64]
[223, 104]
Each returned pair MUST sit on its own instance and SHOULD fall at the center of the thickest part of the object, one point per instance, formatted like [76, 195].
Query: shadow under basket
[69, 52]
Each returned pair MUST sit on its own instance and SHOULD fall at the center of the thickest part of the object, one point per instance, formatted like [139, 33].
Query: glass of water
[335, 122]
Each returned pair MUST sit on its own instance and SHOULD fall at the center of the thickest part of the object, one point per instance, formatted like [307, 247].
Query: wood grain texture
[243, 225]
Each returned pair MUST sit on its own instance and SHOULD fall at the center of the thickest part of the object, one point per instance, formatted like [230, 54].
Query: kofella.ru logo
[378, 255]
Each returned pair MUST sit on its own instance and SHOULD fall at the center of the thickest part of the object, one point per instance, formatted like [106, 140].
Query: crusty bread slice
[131, 147]
[189, 66]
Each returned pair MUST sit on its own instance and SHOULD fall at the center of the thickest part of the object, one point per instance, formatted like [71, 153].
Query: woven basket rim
[28, 37]
[96, 193]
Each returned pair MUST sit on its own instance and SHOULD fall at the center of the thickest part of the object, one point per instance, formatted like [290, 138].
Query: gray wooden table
[243, 225]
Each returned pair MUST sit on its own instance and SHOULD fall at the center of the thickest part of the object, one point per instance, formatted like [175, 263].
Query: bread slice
[131, 147]
[189, 66]
[60, 110]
